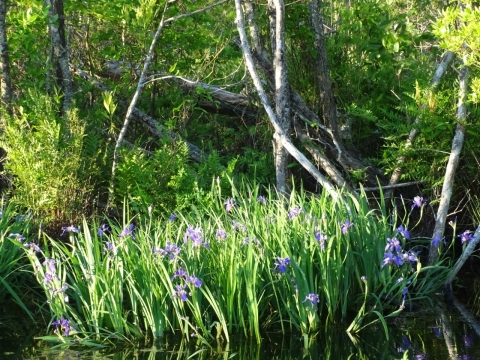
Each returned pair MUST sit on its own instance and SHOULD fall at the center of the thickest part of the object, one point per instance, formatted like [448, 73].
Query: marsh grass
[249, 262]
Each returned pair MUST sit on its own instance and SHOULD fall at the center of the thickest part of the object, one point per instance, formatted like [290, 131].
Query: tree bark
[5, 81]
[326, 98]
[452, 164]
[271, 115]
[282, 95]
[60, 51]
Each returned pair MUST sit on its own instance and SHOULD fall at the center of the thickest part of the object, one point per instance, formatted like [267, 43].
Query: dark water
[436, 333]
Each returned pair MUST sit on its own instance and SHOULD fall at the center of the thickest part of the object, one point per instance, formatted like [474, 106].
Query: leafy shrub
[44, 155]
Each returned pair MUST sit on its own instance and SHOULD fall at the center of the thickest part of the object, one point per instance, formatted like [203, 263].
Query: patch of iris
[185, 282]
[195, 235]
[63, 327]
[51, 279]
[394, 254]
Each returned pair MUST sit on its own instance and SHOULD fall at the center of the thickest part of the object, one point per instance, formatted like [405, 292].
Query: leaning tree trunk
[60, 52]
[398, 171]
[286, 142]
[452, 164]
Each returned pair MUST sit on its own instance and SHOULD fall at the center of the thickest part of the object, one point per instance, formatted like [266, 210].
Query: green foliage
[14, 228]
[163, 178]
[44, 161]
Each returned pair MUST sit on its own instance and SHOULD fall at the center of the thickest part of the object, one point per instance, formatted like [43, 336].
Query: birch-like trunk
[56, 28]
[268, 109]
[5, 82]
[452, 164]
[282, 95]
[398, 171]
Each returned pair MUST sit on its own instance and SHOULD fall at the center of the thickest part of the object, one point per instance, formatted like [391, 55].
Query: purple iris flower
[64, 325]
[195, 235]
[390, 259]
[17, 237]
[50, 265]
[262, 200]
[194, 280]
[466, 236]
[321, 238]
[172, 250]
[393, 244]
[313, 298]
[69, 229]
[229, 204]
[128, 231]
[294, 212]
[281, 264]
[238, 226]
[418, 201]
[33, 246]
[221, 234]
[180, 292]
[179, 273]
[346, 225]
[172, 217]
[403, 230]
[468, 340]
[102, 230]
[110, 248]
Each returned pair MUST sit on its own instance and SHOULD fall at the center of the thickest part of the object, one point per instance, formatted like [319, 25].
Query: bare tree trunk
[282, 95]
[398, 171]
[271, 115]
[326, 98]
[452, 164]
[5, 82]
[60, 51]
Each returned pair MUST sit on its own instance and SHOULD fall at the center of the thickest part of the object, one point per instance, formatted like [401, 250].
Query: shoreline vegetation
[248, 262]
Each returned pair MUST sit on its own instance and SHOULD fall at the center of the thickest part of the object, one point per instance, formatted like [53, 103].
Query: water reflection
[434, 334]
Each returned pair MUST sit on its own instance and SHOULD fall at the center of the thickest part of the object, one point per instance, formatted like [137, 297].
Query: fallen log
[157, 129]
